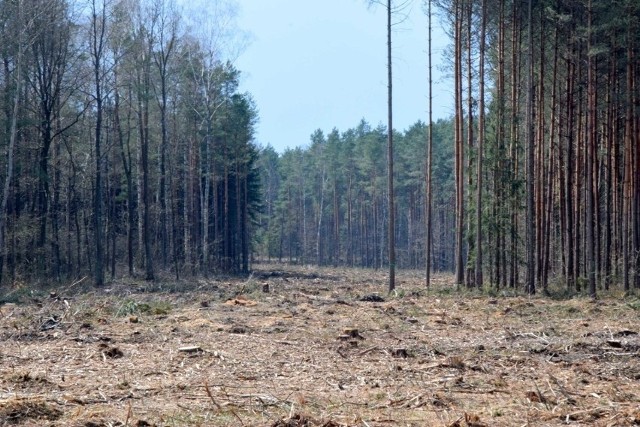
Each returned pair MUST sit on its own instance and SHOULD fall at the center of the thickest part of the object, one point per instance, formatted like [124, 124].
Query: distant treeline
[547, 120]
[326, 204]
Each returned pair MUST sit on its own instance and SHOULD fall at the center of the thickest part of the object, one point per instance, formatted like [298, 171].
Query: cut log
[190, 349]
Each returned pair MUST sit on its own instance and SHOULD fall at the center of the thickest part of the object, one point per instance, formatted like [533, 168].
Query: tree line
[126, 143]
[558, 140]
[536, 175]
[326, 204]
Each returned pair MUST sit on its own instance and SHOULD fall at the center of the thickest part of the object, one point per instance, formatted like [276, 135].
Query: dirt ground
[315, 347]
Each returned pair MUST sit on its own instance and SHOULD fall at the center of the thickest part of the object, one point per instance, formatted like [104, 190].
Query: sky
[322, 64]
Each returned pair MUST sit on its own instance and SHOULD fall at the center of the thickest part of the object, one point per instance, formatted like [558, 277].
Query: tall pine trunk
[428, 189]
[530, 144]
[459, 146]
[391, 197]
[590, 160]
[479, 160]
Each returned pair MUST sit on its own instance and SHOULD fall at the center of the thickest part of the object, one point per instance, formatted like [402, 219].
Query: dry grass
[318, 349]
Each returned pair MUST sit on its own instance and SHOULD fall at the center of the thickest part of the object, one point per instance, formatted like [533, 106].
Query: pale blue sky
[322, 64]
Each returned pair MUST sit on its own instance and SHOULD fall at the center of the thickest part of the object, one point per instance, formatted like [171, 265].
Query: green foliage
[20, 295]
[327, 202]
[634, 304]
[130, 307]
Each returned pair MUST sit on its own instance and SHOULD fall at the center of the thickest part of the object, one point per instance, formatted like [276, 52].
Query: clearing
[315, 347]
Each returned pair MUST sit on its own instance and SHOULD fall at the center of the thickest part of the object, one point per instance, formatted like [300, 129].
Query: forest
[128, 145]
[160, 266]
[534, 180]
[128, 150]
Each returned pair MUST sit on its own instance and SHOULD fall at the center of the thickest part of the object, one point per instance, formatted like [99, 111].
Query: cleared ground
[315, 347]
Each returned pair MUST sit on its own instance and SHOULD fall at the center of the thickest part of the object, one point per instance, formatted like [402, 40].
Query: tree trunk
[391, 201]
[459, 146]
[428, 190]
[13, 133]
[530, 226]
[479, 161]
[590, 163]
[98, 33]
[144, 147]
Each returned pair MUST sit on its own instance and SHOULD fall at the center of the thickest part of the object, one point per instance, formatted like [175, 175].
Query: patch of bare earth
[316, 347]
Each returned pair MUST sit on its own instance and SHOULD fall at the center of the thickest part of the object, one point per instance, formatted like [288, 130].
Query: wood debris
[313, 354]
[241, 302]
[190, 349]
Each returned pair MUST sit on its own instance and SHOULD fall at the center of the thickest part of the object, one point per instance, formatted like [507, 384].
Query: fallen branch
[572, 416]
[369, 350]
[206, 387]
